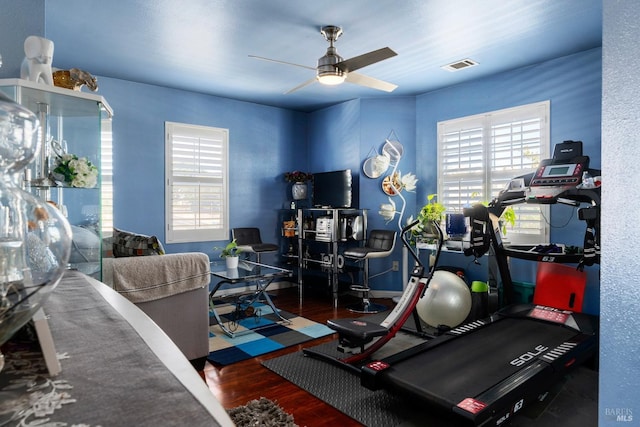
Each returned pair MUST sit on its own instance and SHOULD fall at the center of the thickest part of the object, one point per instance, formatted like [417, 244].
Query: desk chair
[248, 239]
[380, 244]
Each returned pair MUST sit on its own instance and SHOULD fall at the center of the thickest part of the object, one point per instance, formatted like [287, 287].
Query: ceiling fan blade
[300, 86]
[357, 62]
[281, 62]
[362, 80]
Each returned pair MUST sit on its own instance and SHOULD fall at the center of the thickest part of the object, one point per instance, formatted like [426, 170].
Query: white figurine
[36, 66]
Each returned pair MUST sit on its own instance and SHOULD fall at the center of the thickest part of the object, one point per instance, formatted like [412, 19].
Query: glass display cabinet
[67, 171]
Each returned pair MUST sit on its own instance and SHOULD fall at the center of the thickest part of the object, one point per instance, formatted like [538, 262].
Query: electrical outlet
[395, 266]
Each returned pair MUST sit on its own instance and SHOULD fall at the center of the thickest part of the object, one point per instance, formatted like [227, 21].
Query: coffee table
[262, 275]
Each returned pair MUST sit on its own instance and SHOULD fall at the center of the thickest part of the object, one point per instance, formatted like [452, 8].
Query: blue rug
[260, 332]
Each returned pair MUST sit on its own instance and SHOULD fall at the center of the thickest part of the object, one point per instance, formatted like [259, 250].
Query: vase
[232, 262]
[299, 191]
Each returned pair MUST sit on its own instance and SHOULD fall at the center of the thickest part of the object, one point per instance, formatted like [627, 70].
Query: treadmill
[486, 371]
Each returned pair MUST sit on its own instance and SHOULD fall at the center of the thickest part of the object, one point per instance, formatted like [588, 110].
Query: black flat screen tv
[332, 189]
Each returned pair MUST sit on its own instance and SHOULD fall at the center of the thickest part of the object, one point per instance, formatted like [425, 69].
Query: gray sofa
[172, 290]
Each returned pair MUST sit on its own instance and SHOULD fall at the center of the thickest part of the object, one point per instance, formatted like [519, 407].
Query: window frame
[217, 181]
[106, 177]
[530, 216]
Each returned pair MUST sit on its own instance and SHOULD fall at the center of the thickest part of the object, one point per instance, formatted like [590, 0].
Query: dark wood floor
[241, 382]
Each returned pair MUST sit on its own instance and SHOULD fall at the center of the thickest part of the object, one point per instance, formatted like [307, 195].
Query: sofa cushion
[126, 243]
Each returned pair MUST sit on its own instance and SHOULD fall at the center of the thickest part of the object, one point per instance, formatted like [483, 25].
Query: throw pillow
[126, 243]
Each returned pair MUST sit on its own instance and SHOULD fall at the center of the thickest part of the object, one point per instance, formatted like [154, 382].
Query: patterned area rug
[259, 331]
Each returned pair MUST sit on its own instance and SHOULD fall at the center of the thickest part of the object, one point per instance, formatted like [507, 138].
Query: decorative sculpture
[36, 65]
[81, 77]
[75, 79]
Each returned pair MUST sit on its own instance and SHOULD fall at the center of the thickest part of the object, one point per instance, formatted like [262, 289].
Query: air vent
[460, 65]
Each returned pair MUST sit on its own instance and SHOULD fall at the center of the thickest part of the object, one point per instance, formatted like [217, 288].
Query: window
[106, 172]
[196, 192]
[479, 155]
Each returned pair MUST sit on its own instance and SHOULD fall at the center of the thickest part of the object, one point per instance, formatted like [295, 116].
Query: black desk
[247, 272]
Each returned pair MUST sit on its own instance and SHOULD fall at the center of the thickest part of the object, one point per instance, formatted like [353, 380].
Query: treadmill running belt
[463, 368]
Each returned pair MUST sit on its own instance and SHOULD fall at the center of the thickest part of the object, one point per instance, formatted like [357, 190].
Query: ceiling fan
[332, 69]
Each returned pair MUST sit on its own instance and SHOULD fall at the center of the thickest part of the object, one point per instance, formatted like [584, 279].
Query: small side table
[247, 272]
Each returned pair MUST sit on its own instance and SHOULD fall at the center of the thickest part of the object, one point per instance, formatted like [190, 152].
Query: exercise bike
[360, 338]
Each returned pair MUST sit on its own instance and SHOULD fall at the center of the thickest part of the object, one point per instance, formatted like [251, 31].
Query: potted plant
[230, 254]
[508, 217]
[430, 212]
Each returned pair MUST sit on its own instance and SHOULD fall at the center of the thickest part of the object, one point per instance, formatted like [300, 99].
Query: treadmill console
[558, 174]
[564, 169]
[552, 178]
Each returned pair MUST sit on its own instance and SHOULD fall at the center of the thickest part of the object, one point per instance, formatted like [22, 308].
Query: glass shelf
[62, 102]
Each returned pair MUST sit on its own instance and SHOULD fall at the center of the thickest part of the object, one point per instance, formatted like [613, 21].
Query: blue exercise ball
[446, 302]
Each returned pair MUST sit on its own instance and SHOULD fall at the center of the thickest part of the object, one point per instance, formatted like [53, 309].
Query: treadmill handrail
[405, 241]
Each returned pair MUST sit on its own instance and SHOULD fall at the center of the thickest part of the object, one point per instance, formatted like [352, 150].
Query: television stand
[323, 234]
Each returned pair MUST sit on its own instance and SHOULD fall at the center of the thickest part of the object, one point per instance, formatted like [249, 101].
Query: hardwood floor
[241, 382]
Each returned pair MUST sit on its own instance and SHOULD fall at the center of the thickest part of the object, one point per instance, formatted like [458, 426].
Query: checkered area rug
[259, 331]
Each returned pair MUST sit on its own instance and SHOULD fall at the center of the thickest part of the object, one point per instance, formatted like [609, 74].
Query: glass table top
[247, 271]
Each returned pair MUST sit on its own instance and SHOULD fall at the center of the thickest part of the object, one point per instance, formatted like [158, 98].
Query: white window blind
[196, 191]
[479, 155]
[106, 175]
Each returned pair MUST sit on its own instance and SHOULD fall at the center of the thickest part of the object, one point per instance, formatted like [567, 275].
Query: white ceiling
[204, 45]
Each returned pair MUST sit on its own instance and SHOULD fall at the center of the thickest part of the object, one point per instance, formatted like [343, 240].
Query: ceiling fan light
[331, 79]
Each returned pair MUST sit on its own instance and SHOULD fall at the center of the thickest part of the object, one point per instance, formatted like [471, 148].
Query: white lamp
[331, 78]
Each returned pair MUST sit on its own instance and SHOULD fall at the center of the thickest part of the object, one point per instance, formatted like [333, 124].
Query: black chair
[380, 244]
[249, 240]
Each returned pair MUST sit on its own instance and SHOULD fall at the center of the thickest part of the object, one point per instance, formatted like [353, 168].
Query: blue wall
[18, 20]
[334, 138]
[264, 142]
[619, 394]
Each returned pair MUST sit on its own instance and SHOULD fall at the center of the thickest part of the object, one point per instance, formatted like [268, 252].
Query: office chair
[248, 239]
[380, 244]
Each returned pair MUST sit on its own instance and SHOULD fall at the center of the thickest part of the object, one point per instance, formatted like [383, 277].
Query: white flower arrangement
[408, 182]
[75, 171]
[388, 210]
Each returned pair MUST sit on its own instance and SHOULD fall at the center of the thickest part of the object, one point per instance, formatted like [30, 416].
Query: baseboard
[384, 294]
